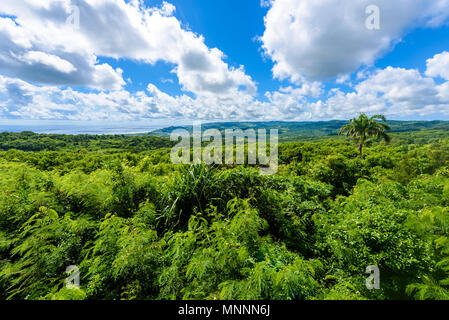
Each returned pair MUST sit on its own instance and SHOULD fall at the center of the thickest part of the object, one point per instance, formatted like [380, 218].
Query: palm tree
[364, 129]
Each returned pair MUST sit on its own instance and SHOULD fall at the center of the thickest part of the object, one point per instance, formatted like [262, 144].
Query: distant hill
[288, 132]
[291, 131]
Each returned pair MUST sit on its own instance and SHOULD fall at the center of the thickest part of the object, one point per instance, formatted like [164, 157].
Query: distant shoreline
[288, 129]
[71, 127]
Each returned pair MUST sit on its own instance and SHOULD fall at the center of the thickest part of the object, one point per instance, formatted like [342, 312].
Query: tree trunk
[361, 151]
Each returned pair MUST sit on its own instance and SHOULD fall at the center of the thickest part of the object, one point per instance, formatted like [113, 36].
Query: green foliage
[364, 129]
[29, 141]
[124, 260]
[317, 130]
[45, 246]
[139, 227]
[190, 192]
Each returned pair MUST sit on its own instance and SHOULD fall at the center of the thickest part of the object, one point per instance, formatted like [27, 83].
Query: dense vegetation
[29, 141]
[309, 131]
[139, 227]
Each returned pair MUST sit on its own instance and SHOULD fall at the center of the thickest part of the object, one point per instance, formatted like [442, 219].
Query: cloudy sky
[213, 60]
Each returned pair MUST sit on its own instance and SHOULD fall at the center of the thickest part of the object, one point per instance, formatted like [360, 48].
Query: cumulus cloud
[23, 54]
[438, 66]
[108, 28]
[43, 60]
[52, 61]
[392, 91]
[396, 92]
[19, 99]
[329, 38]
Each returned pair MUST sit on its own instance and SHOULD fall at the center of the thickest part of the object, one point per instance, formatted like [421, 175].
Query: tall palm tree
[364, 129]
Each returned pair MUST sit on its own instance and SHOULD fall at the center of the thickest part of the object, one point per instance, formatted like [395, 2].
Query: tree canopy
[139, 227]
[364, 129]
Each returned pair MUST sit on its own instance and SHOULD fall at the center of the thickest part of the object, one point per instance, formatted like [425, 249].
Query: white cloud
[19, 99]
[36, 54]
[33, 57]
[168, 80]
[116, 29]
[395, 92]
[328, 38]
[438, 66]
[42, 58]
[345, 78]
[392, 91]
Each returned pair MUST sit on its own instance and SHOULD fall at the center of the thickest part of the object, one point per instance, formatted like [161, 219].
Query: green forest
[139, 227]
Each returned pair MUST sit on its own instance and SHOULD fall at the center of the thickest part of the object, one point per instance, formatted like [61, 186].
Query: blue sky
[232, 26]
[183, 60]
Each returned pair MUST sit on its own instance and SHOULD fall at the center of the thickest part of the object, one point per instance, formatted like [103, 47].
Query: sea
[82, 127]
